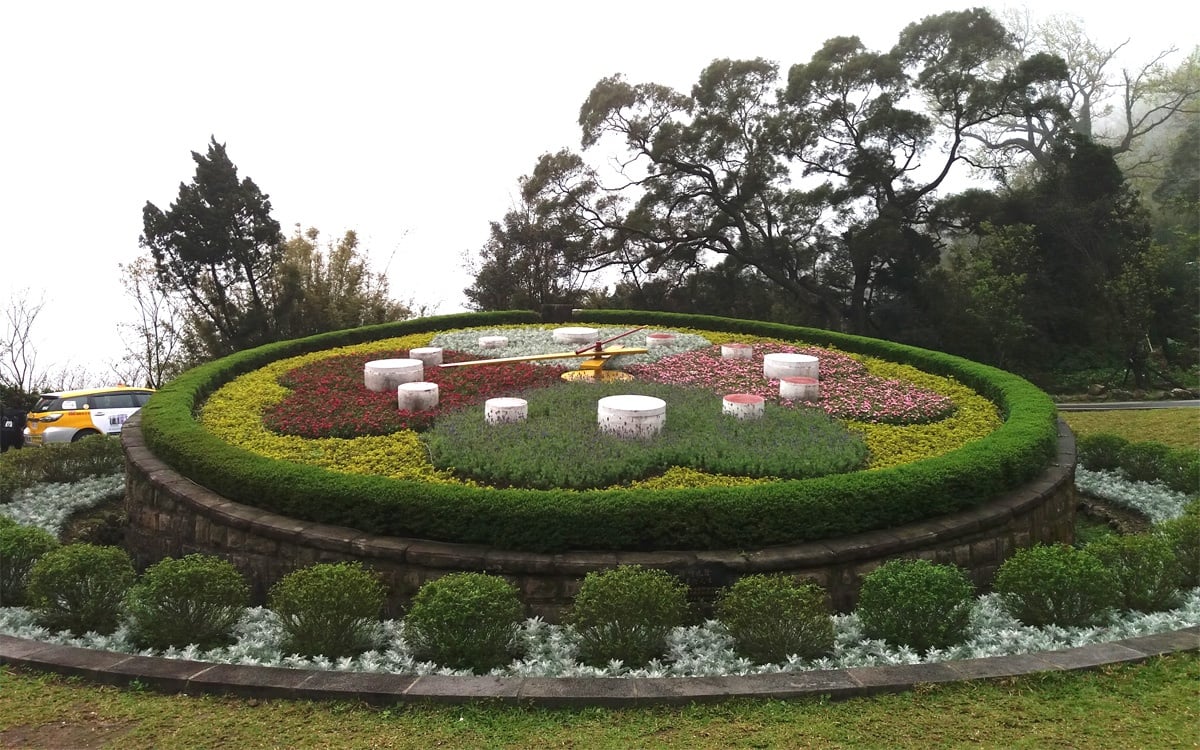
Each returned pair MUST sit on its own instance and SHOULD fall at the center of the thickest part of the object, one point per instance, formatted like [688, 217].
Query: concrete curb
[192, 677]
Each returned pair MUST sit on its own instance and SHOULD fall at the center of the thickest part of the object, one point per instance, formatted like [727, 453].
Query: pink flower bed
[848, 391]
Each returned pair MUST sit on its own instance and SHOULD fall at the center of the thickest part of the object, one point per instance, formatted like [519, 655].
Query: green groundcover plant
[916, 603]
[707, 648]
[625, 614]
[80, 587]
[774, 617]
[785, 442]
[1057, 585]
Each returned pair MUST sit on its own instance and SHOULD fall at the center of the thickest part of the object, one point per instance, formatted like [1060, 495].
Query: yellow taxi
[68, 416]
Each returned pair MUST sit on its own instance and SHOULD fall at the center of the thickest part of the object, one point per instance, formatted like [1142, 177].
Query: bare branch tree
[18, 357]
[152, 341]
[1114, 107]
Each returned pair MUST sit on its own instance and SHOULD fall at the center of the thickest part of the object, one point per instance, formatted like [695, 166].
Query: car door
[110, 410]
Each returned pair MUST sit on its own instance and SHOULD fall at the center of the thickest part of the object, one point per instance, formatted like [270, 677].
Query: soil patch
[1120, 520]
[83, 730]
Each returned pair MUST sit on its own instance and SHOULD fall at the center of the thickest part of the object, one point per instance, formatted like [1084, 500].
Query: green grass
[1177, 427]
[1151, 705]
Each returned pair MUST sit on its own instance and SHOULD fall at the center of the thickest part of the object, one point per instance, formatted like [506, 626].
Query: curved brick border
[192, 677]
[169, 515]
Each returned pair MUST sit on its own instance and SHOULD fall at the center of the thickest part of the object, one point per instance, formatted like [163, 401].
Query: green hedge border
[747, 517]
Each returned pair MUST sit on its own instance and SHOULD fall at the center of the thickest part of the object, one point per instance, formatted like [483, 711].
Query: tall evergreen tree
[218, 247]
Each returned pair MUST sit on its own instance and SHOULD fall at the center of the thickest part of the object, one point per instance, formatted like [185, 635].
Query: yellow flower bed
[234, 414]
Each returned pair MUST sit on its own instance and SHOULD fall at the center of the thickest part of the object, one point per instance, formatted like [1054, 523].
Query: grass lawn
[1177, 427]
[1152, 705]
[1156, 704]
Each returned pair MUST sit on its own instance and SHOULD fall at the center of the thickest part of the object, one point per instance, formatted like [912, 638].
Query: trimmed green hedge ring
[612, 519]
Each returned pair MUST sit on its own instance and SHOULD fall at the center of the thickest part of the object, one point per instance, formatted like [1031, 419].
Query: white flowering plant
[552, 650]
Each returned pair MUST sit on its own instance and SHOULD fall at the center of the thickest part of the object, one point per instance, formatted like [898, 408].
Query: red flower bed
[329, 399]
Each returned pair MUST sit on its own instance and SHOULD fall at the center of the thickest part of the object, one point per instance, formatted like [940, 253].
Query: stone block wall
[170, 515]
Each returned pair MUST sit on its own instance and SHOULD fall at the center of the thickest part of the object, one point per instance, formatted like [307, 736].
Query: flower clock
[867, 414]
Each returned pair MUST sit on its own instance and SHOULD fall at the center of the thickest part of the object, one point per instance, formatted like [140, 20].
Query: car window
[141, 398]
[113, 401]
[48, 403]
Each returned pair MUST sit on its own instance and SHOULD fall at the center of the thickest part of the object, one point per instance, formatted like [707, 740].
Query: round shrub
[20, 548]
[625, 614]
[1145, 462]
[1100, 451]
[772, 617]
[1056, 585]
[328, 608]
[1145, 567]
[1182, 471]
[916, 602]
[80, 588]
[1183, 534]
[197, 599]
[464, 621]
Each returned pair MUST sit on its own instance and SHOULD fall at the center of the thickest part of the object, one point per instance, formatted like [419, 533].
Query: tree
[886, 160]
[983, 286]
[823, 188]
[537, 254]
[1084, 229]
[19, 369]
[710, 179]
[219, 248]
[1118, 108]
[329, 290]
[153, 341]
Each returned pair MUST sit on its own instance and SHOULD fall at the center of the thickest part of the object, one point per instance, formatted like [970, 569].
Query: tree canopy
[827, 193]
[218, 246]
[218, 250]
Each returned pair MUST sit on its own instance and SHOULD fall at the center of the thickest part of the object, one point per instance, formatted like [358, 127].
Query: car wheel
[83, 434]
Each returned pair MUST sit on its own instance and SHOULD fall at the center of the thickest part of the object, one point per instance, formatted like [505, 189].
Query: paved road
[1111, 405]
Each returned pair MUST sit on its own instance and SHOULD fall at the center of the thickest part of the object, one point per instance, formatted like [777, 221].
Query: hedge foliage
[465, 621]
[916, 602]
[196, 599]
[80, 587]
[625, 614]
[740, 516]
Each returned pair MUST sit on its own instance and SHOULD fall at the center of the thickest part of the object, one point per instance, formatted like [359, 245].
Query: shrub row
[620, 519]
[1146, 461]
[626, 614]
[96, 456]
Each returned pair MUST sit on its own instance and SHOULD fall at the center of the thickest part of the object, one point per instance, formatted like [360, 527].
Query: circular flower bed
[315, 408]
[999, 433]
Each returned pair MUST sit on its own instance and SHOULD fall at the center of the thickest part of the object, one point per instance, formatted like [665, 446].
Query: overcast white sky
[409, 123]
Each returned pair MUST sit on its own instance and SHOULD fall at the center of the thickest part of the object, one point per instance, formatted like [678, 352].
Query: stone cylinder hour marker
[382, 375]
[416, 396]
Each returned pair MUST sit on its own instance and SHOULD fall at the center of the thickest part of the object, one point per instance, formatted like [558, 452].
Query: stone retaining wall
[170, 515]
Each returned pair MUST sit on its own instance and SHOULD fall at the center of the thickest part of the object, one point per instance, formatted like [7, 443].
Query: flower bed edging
[191, 677]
